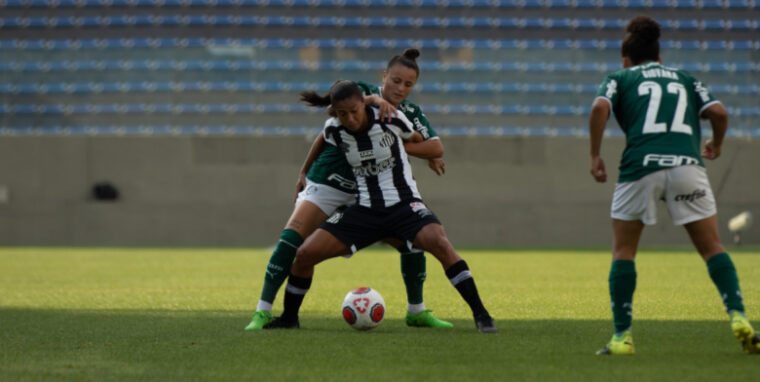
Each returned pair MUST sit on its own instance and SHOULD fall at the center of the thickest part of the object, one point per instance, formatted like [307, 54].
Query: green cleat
[259, 320]
[744, 332]
[426, 319]
[620, 344]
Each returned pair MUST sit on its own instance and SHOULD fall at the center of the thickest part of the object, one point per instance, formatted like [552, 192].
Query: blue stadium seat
[261, 87]
[361, 22]
[456, 4]
[527, 67]
[366, 44]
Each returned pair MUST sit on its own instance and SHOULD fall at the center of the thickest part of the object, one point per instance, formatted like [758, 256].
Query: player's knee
[441, 248]
[304, 257]
[441, 243]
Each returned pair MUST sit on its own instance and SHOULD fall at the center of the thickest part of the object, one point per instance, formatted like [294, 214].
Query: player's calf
[460, 277]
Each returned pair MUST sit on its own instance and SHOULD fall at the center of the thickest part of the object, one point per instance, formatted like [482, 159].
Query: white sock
[415, 308]
[263, 305]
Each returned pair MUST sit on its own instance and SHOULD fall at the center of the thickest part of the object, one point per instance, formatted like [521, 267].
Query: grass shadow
[208, 345]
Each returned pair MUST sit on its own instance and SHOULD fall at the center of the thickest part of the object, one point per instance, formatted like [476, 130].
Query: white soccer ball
[363, 308]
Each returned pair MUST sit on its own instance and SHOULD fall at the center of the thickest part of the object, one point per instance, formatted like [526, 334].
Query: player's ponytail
[642, 41]
[408, 59]
[340, 90]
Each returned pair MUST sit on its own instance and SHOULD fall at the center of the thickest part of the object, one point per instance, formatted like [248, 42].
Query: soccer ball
[363, 308]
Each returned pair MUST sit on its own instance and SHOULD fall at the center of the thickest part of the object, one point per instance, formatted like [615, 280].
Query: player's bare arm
[432, 150]
[414, 138]
[429, 149]
[718, 117]
[600, 112]
[316, 148]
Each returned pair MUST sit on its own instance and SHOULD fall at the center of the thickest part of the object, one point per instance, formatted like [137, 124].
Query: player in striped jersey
[326, 182]
[389, 203]
[659, 108]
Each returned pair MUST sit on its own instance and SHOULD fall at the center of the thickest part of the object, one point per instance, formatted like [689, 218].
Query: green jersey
[658, 108]
[332, 169]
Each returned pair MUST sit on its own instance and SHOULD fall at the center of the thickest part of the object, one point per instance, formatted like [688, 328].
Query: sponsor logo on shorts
[697, 194]
[421, 209]
[668, 160]
[335, 218]
[372, 169]
[311, 189]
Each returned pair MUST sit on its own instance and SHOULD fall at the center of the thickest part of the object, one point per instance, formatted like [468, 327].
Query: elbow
[722, 116]
[437, 150]
[600, 109]
[717, 114]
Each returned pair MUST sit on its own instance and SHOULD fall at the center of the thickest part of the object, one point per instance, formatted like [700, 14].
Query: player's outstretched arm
[429, 149]
[432, 150]
[600, 112]
[718, 117]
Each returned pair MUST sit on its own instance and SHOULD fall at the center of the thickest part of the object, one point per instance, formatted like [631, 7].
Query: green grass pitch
[178, 314]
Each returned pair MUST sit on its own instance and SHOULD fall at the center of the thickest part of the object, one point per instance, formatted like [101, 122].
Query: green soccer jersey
[658, 108]
[331, 167]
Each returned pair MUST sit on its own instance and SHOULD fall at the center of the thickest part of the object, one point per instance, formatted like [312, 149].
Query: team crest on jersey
[387, 140]
[421, 209]
[702, 91]
[611, 89]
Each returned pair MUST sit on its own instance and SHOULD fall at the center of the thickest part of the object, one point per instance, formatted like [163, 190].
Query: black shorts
[358, 227]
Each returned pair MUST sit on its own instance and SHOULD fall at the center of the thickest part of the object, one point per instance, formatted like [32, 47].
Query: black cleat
[485, 324]
[283, 323]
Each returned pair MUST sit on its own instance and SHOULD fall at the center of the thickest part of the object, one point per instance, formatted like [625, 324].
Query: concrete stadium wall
[238, 191]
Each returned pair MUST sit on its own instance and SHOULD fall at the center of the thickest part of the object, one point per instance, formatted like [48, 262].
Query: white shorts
[685, 189]
[327, 198]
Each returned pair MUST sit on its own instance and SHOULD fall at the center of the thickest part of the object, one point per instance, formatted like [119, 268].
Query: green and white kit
[659, 110]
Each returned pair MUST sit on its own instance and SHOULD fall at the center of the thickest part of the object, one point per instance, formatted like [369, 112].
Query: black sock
[460, 277]
[294, 295]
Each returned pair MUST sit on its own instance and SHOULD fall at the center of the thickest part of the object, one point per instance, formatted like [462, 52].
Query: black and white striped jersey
[378, 159]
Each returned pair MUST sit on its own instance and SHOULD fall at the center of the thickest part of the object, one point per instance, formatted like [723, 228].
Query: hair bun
[644, 28]
[411, 54]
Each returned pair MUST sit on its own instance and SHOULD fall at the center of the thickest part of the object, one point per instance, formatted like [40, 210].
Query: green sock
[280, 262]
[413, 272]
[723, 274]
[622, 285]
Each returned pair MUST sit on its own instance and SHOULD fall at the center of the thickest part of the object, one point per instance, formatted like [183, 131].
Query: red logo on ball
[361, 304]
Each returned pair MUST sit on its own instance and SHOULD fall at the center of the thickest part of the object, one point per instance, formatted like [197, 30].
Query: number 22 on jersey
[654, 90]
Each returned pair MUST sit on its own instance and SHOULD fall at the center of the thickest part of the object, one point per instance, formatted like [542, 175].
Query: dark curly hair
[642, 40]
